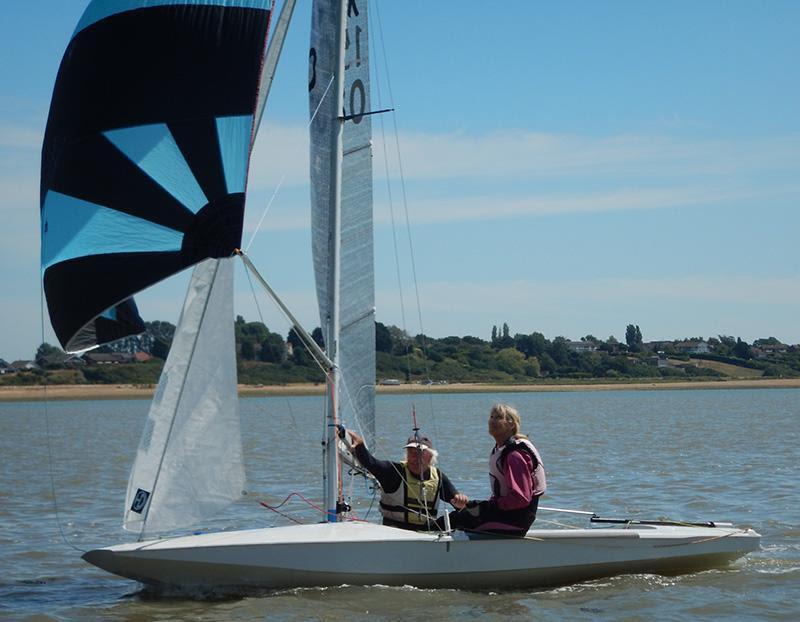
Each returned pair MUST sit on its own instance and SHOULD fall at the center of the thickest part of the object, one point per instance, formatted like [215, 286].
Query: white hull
[366, 554]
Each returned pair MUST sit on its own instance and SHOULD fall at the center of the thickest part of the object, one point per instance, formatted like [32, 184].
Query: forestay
[355, 280]
[189, 464]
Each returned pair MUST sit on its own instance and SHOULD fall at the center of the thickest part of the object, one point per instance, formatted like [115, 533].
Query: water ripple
[689, 455]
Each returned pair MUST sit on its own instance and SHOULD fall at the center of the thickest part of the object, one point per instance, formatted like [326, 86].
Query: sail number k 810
[355, 94]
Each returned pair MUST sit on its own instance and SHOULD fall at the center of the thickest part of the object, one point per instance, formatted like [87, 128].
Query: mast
[331, 457]
[341, 221]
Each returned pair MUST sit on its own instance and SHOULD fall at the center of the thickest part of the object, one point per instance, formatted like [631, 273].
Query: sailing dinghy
[144, 170]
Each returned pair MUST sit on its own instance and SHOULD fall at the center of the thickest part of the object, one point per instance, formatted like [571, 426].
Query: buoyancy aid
[497, 466]
[408, 504]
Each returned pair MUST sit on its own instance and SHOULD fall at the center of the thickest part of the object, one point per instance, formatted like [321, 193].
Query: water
[693, 455]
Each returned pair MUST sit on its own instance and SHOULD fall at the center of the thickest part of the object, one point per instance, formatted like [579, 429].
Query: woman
[517, 478]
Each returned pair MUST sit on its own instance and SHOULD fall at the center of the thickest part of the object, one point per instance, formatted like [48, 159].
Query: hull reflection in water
[367, 554]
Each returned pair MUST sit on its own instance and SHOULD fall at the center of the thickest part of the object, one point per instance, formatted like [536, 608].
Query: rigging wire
[279, 186]
[309, 349]
[304, 338]
[392, 219]
[404, 195]
[345, 392]
[255, 298]
[45, 401]
[261, 317]
[383, 450]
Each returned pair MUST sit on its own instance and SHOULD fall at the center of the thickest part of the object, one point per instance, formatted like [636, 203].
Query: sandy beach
[127, 391]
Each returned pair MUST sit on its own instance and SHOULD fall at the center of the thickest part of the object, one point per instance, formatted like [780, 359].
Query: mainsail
[346, 275]
[145, 155]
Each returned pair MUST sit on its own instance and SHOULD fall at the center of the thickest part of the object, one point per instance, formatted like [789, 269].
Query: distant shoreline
[129, 392]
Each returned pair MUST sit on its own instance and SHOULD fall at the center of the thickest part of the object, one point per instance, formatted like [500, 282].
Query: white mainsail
[189, 464]
[355, 278]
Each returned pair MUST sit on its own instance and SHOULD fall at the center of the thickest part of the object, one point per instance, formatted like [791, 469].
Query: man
[410, 489]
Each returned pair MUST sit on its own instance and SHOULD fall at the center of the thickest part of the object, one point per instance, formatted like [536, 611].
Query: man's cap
[419, 442]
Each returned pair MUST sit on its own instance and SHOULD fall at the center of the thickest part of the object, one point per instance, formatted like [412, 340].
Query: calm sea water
[691, 455]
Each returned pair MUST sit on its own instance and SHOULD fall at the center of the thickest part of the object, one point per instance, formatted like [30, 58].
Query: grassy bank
[145, 392]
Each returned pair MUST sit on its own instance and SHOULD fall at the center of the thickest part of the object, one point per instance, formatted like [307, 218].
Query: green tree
[531, 345]
[633, 337]
[161, 330]
[401, 342]
[48, 355]
[502, 341]
[547, 364]
[273, 349]
[511, 361]
[742, 350]
[254, 331]
[532, 368]
[560, 352]
[726, 345]
[247, 349]
[383, 338]
[300, 354]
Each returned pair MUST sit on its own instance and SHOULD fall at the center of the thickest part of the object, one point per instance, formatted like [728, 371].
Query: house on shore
[692, 347]
[581, 346]
[23, 366]
[109, 358]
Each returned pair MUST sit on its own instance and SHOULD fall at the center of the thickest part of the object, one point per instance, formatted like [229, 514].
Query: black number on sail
[312, 69]
[140, 501]
[357, 107]
[358, 47]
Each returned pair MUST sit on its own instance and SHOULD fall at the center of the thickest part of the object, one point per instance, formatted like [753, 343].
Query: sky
[567, 167]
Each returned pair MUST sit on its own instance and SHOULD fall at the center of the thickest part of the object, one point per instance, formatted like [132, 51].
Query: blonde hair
[509, 413]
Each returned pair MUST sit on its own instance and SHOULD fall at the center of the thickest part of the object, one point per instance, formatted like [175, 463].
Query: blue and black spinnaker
[145, 155]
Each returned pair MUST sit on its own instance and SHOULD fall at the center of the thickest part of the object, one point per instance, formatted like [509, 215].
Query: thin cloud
[635, 172]
[722, 289]
[750, 307]
[488, 206]
[534, 156]
[282, 151]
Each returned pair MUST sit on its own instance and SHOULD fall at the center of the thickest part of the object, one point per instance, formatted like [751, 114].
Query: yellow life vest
[409, 502]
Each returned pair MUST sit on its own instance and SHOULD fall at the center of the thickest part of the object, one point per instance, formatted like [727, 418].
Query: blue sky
[570, 168]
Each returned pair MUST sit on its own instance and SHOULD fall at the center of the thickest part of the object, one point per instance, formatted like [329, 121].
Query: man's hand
[460, 501]
[355, 439]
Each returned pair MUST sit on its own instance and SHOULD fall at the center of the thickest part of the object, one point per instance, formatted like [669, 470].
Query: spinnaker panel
[145, 155]
[356, 273]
